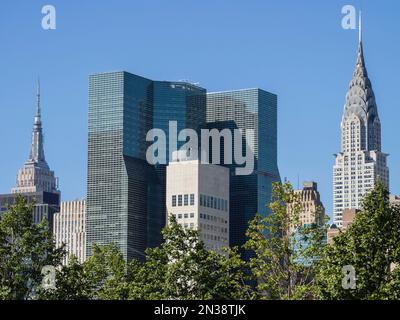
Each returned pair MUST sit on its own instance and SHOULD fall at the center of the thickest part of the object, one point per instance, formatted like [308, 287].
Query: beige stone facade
[312, 210]
[198, 196]
[69, 229]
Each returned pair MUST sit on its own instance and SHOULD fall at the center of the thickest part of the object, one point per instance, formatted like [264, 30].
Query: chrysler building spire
[360, 164]
[360, 28]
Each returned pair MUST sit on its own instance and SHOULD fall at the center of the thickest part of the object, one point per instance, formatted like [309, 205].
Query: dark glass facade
[126, 195]
[186, 104]
[249, 194]
[46, 204]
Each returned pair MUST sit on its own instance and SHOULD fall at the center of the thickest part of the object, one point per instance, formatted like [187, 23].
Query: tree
[71, 283]
[282, 250]
[106, 273]
[25, 248]
[370, 248]
[182, 268]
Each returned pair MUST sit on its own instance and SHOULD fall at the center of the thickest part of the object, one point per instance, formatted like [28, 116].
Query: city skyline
[72, 173]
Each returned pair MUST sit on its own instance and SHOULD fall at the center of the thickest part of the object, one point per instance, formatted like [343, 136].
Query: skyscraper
[248, 109]
[198, 197]
[126, 195]
[69, 229]
[312, 210]
[35, 180]
[361, 163]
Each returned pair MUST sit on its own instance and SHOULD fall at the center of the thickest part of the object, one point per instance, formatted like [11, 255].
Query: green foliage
[25, 249]
[103, 276]
[106, 272]
[71, 284]
[283, 250]
[182, 268]
[288, 260]
[372, 246]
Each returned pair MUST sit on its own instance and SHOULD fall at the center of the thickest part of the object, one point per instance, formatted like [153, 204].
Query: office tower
[361, 163]
[198, 197]
[35, 181]
[126, 194]
[177, 104]
[312, 210]
[248, 109]
[69, 229]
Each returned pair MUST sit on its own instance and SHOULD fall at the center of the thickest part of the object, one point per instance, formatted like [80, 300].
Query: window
[219, 204]
[180, 200]
[201, 200]
[174, 201]
[185, 199]
[192, 214]
[192, 199]
[180, 216]
[226, 205]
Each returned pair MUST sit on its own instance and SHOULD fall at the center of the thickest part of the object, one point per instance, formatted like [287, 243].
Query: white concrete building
[198, 195]
[360, 163]
[69, 228]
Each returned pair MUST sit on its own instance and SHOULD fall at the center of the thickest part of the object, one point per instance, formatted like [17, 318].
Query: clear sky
[296, 49]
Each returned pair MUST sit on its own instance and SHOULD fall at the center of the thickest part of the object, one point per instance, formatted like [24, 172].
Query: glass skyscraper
[246, 109]
[126, 195]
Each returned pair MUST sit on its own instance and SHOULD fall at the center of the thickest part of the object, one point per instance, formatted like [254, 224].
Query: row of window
[212, 237]
[188, 225]
[213, 202]
[185, 215]
[213, 228]
[212, 218]
[185, 200]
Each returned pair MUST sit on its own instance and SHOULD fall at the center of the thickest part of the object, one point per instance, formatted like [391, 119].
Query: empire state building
[35, 181]
[361, 162]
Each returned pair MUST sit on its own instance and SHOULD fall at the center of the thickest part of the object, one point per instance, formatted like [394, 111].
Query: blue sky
[296, 49]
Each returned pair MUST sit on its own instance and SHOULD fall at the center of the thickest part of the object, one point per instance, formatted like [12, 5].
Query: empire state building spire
[35, 175]
[360, 164]
[37, 152]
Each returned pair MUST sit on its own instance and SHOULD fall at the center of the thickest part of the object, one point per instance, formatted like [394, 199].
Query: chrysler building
[361, 163]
